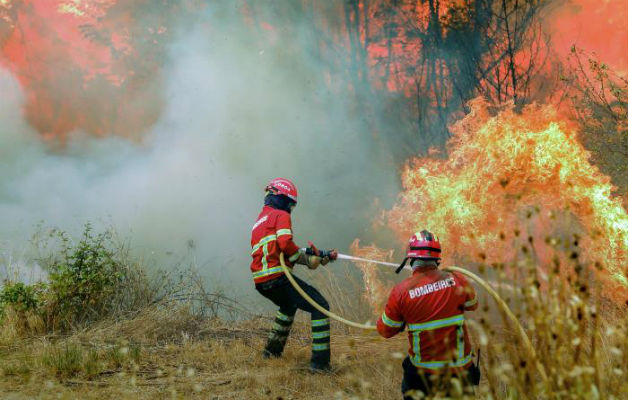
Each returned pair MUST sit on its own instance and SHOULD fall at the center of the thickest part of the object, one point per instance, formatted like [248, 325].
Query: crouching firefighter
[272, 235]
[431, 304]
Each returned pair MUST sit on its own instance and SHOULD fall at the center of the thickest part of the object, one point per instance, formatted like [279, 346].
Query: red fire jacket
[271, 235]
[431, 304]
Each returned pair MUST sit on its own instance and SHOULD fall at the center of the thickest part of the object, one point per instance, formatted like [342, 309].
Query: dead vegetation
[189, 343]
[166, 352]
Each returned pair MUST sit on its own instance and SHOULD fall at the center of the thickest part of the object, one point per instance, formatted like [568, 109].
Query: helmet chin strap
[402, 265]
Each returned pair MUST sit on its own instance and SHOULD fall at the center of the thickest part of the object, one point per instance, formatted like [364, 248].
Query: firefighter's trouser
[415, 380]
[285, 296]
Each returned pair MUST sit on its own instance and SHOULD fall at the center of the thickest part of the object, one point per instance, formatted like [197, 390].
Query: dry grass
[575, 316]
[168, 353]
[178, 346]
[19, 324]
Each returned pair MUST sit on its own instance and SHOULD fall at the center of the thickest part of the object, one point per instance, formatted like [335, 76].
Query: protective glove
[311, 250]
[325, 256]
[328, 255]
[309, 256]
[313, 262]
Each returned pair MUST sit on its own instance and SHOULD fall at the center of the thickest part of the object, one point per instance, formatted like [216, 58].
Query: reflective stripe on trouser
[280, 332]
[320, 330]
[280, 291]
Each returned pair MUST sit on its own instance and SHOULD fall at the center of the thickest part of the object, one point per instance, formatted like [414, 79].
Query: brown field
[163, 338]
[158, 355]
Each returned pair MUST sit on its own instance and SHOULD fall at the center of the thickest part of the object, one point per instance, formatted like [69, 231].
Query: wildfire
[80, 63]
[509, 178]
[376, 291]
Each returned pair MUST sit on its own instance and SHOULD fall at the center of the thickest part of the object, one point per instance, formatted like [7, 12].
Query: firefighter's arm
[471, 299]
[284, 237]
[470, 303]
[391, 321]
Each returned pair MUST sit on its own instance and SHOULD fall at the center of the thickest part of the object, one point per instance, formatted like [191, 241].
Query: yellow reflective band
[438, 323]
[416, 347]
[460, 342]
[280, 328]
[470, 302]
[320, 322]
[283, 317]
[390, 322]
[281, 232]
[416, 329]
[442, 364]
[319, 335]
[294, 257]
[263, 242]
[265, 272]
[265, 264]
[321, 346]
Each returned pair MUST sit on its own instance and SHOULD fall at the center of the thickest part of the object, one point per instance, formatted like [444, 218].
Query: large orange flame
[514, 174]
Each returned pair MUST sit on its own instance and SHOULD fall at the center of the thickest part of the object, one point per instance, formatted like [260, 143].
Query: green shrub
[20, 296]
[84, 278]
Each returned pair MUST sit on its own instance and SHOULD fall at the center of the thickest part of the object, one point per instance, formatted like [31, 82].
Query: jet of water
[359, 259]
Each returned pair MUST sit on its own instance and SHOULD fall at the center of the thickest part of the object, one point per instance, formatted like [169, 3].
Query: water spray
[365, 260]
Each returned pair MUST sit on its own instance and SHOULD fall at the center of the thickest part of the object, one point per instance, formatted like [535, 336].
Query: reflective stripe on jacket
[431, 303]
[271, 235]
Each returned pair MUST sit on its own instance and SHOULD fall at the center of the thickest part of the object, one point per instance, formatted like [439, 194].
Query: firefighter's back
[265, 252]
[432, 304]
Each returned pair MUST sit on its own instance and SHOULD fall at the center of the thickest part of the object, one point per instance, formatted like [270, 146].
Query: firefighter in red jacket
[271, 235]
[431, 304]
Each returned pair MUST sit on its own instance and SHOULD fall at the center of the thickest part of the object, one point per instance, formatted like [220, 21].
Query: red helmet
[282, 186]
[425, 245]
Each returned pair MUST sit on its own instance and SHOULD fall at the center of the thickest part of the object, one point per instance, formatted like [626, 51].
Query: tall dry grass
[185, 342]
[573, 312]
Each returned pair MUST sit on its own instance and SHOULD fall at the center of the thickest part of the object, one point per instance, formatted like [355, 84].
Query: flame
[78, 66]
[71, 7]
[514, 175]
[375, 290]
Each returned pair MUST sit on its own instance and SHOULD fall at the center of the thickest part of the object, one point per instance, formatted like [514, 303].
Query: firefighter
[272, 235]
[431, 304]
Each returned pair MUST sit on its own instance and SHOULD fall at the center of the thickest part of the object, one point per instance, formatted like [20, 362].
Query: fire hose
[500, 302]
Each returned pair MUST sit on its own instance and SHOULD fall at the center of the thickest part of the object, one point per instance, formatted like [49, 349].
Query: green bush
[89, 279]
[84, 278]
[20, 296]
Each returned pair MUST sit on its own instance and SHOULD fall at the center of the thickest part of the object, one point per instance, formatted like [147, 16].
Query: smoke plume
[236, 114]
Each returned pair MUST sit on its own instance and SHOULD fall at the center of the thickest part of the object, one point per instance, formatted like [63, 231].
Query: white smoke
[237, 115]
